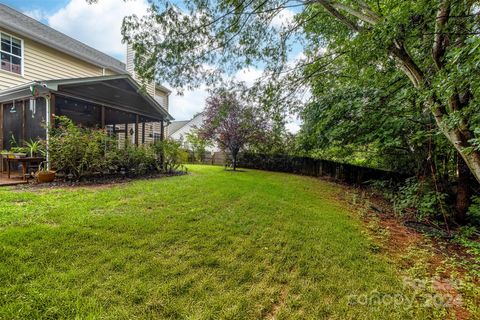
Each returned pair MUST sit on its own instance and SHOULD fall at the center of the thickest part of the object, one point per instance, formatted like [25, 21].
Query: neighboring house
[44, 73]
[178, 130]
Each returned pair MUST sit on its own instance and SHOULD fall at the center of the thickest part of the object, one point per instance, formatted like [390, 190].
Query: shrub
[80, 152]
[420, 198]
[474, 210]
[197, 144]
[132, 159]
[173, 155]
[77, 151]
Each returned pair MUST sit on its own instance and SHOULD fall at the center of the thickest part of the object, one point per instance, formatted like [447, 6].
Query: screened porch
[116, 104]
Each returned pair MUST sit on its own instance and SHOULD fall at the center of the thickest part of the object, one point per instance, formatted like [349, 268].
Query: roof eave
[61, 49]
[53, 85]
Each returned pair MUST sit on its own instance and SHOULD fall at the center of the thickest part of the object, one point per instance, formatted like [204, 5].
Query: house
[44, 73]
[178, 131]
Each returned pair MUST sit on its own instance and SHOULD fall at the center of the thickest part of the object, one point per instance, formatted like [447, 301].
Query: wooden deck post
[136, 130]
[2, 145]
[24, 121]
[162, 156]
[143, 132]
[48, 117]
[162, 133]
[103, 117]
[126, 134]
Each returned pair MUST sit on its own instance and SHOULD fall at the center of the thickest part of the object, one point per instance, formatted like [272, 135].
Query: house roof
[160, 87]
[23, 25]
[176, 125]
[120, 91]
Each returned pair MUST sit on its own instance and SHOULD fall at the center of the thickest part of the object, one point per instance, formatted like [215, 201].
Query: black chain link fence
[317, 168]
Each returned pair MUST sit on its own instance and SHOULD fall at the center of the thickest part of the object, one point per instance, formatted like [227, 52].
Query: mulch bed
[97, 181]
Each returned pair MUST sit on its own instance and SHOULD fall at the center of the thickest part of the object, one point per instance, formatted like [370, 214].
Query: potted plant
[44, 175]
[33, 147]
[18, 152]
[6, 154]
[15, 150]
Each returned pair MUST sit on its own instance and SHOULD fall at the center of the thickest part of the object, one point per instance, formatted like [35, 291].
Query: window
[11, 54]
[156, 137]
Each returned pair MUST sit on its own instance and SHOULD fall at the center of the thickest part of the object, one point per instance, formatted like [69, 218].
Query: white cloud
[283, 19]
[248, 75]
[293, 125]
[99, 24]
[184, 107]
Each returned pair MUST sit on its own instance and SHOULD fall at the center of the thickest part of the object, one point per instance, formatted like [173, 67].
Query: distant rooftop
[17, 22]
[174, 126]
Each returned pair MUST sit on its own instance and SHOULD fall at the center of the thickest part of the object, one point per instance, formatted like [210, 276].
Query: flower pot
[20, 155]
[45, 176]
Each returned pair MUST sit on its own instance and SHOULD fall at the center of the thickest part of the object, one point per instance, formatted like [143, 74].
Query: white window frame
[22, 59]
[157, 137]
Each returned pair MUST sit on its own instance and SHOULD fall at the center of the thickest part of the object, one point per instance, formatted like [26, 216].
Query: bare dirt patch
[397, 237]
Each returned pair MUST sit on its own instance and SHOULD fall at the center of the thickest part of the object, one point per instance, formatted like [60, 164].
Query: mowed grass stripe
[209, 245]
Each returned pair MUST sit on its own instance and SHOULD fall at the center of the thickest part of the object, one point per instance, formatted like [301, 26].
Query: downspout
[48, 123]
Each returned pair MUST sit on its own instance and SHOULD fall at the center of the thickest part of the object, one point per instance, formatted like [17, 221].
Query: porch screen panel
[152, 126]
[12, 125]
[115, 121]
[35, 119]
[83, 114]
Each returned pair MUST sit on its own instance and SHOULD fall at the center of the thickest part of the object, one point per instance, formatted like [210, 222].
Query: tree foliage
[393, 84]
[433, 44]
[232, 122]
[197, 144]
[430, 42]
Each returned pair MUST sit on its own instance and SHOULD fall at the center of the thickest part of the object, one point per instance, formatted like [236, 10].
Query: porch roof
[118, 91]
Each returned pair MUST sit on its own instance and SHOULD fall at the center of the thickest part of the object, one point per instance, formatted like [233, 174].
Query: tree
[231, 122]
[434, 43]
[197, 143]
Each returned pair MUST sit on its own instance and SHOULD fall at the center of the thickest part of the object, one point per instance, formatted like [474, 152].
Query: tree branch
[360, 15]
[440, 40]
[409, 67]
[336, 14]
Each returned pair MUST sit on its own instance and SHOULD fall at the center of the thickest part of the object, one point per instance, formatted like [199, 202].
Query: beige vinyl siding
[44, 63]
[162, 98]
[150, 88]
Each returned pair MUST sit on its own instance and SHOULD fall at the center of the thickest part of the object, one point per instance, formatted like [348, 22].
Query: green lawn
[208, 245]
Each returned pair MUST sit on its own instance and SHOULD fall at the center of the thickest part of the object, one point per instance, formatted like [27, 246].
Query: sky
[98, 26]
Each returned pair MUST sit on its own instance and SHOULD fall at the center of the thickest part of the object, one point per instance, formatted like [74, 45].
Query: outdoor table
[26, 163]
[3, 160]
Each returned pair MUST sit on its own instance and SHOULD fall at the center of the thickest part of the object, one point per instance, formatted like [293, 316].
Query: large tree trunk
[459, 139]
[464, 190]
[457, 136]
[234, 158]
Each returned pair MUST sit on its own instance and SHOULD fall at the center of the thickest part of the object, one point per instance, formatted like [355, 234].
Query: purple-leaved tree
[232, 122]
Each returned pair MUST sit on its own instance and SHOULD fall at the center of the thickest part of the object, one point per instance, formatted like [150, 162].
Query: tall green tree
[197, 144]
[433, 43]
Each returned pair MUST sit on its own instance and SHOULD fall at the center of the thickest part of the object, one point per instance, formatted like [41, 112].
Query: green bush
[474, 210]
[132, 159]
[172, 153]
[420, 198]
[80, 152]
[77, 151]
